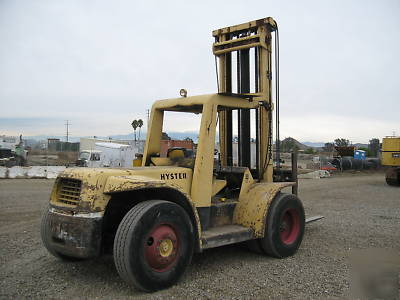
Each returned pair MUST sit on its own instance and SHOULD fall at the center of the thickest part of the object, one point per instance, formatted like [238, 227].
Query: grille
[69, 191]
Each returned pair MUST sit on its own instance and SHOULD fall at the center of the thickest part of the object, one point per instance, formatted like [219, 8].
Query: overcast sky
[100, 64]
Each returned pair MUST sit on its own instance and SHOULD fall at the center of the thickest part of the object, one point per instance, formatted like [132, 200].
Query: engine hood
[109, 179]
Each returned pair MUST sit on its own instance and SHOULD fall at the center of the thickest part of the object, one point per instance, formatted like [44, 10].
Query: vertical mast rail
[240, 39]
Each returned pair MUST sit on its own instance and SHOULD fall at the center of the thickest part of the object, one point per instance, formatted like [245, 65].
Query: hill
[290, 144]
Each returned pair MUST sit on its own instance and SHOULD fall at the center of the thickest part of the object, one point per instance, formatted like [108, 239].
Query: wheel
[393, 176]
[46, 237]
[284, 226]
[393, 182]
[154, 245]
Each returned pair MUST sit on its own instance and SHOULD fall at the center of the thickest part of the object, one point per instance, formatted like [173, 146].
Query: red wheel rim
[289, 228]
[161, 248]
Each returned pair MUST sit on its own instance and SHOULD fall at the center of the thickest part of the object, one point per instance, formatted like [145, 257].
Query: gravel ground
[360, 211]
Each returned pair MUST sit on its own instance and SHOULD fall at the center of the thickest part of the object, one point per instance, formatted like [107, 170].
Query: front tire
[284, 226]
[154, 245]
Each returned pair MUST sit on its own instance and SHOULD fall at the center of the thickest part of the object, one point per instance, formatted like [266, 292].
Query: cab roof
[195, 103]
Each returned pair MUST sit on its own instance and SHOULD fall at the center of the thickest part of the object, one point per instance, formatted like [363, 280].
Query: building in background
[55, 145]
[90, 143]
[167, 144]
[9, 142]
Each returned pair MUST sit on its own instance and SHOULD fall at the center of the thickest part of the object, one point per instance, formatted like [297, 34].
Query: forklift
[391, 159]
[152, 218]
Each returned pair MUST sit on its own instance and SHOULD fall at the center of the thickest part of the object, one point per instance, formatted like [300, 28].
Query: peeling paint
[252, 209]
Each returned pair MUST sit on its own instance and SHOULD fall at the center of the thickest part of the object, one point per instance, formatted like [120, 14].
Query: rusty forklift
[153, 218]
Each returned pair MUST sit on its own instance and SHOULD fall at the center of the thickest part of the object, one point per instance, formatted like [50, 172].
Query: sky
[101, 64]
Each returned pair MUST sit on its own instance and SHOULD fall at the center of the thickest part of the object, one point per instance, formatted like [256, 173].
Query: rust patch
[74, 236]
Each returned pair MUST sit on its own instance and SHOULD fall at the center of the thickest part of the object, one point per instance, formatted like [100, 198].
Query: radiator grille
[69, 191]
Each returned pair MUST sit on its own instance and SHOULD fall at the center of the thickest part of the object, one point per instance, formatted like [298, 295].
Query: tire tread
[121, 257]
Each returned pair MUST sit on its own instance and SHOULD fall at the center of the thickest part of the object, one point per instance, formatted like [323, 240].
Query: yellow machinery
[153, 217]
[391, 159]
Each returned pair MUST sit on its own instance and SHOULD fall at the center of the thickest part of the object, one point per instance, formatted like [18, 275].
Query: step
[221, 213]
[225, 235]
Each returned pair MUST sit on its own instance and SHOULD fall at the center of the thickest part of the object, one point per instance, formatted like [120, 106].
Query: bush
[309, 151]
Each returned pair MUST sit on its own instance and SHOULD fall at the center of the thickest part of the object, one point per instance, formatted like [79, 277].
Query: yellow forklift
[391, 159]
[153, 218]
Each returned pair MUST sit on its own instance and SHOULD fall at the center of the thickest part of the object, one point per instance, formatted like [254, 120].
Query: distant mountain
[173, 135]
[360, 145]
[182, 135]
[289, 142]
[130, 136]
[314, 144]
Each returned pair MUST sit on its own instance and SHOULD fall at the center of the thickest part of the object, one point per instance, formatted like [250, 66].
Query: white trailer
[111, 155]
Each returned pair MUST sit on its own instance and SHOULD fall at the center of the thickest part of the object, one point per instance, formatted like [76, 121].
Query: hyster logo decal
[170, 176]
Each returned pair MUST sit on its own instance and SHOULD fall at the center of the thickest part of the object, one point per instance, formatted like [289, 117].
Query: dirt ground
[360, 211]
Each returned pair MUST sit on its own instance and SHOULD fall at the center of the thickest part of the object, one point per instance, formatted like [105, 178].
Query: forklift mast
[249, 45]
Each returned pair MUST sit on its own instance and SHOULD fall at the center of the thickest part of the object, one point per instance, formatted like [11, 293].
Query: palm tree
[135, 126]
[139, 124]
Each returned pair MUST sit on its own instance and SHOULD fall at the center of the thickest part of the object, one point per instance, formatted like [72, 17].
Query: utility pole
[67, 125]
[148, 117]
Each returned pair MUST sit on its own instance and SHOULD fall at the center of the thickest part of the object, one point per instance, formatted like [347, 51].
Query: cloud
[101, 64]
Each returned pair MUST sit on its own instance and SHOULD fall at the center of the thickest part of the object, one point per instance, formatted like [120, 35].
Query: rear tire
[154, 245]
[393, 176]
[284, 226]
[46, 238]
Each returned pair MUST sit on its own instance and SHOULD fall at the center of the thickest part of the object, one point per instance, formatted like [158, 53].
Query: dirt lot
[361, 212]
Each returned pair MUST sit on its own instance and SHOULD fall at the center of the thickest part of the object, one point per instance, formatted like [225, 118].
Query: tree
[289, 145]
[374, 147]
[329, 147]
[135, 126]
[341, 142]
[140, 124]
[309, 151]
[165, 136]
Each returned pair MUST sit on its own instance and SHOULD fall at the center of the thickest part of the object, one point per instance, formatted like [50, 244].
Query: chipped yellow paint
[137, 162]
[201, 187]
[118, 184]
[161, 161]
[98, 184]
[218, 184]
[390, 145]
[94, 181]
[246, 183]
[135, 182]
[254, 201]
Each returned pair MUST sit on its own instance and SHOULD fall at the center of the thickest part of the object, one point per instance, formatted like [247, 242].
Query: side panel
[203, 170]
[178, 178]
[391, 151]
[153, 139]
[254, 201]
